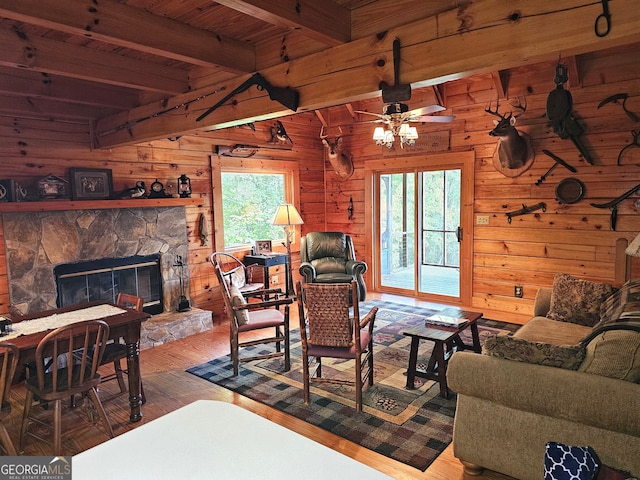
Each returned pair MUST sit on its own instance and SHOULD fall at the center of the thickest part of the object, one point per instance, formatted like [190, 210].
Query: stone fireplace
[37, 242]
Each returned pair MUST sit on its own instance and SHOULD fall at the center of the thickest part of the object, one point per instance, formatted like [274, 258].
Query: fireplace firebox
[103, 279]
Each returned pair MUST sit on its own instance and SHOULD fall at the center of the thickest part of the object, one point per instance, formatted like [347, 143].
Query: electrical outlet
[517, 291]
[482, 220]
[274, 280]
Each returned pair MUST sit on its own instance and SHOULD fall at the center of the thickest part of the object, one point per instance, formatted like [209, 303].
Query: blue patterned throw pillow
[564, 462]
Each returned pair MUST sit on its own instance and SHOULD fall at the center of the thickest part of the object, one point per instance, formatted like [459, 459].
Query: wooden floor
[168, 387]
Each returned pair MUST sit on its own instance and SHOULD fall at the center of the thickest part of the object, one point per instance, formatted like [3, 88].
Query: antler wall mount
[514, 154]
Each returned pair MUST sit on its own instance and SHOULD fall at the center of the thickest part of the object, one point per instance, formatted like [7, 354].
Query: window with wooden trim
[246, 197]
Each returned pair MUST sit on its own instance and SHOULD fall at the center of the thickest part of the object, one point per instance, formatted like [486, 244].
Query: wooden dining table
[123, 323]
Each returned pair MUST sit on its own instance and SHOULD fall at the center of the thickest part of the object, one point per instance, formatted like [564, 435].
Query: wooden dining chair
[8, 362]
[116, 351]
[328, 330]
[77, 348]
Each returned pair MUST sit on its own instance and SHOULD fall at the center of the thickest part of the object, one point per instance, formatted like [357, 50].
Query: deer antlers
[341, 162]
[519, 106]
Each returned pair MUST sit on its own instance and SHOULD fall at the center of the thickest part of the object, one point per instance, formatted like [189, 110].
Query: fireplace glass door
[104, 279]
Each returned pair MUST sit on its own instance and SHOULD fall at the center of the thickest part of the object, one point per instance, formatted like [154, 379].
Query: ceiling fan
[396, 114]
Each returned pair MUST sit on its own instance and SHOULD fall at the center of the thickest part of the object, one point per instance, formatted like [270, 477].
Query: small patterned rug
[411, 426]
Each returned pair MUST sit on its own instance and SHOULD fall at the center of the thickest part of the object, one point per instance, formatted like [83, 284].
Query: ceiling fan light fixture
[378, 134]
[383, 137]
[407, 134]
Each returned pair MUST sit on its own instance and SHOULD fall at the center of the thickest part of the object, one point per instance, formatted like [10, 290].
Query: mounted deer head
[514, 149]
[342, 162]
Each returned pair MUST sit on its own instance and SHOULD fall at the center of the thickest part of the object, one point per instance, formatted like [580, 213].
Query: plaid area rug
[411, 426]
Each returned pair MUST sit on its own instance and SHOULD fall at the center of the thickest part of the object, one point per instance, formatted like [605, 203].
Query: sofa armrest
[594, 400]
[542, 303]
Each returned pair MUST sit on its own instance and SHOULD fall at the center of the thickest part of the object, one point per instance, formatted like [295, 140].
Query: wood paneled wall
[575, 238]
[31, 150]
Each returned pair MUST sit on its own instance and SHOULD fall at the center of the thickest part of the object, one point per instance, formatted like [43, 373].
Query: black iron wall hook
[613, 205]
[524, 210]
[615, 98]
[634, 143]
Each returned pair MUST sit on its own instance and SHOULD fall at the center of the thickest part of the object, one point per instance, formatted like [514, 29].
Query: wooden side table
[446, 341]
[267, 261]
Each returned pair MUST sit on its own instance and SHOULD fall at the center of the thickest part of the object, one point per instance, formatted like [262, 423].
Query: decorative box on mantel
[53, 187]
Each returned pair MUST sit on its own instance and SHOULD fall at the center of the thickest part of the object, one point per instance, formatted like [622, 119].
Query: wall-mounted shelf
[61, 205]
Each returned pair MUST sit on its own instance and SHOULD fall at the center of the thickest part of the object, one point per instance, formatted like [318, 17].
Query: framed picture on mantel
[91, 183]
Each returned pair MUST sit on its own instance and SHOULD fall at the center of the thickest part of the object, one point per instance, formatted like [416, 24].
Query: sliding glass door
[439, 223]
[419, 225]
[397, 232]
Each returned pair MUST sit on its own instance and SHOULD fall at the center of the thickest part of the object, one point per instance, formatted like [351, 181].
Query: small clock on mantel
[157, 190]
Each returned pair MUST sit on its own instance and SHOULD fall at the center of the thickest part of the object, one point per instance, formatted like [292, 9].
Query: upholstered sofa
[554, 380]
[329, 257]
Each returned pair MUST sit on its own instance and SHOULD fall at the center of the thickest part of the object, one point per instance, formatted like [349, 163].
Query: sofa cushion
[568, 462]
[622, 304]
[615, 354]
[576, 300]
[541, 329]
[539, 353]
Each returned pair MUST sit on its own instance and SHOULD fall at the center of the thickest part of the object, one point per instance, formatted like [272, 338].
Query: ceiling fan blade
[380, 120]
[369, 113]
[426, 110]
[434, 119]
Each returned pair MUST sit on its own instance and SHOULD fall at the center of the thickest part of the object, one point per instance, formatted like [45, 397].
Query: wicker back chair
[327, 330]
[247, 318]
[8, 362]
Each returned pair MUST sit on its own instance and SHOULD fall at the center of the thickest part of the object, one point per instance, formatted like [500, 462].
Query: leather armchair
[329, 257]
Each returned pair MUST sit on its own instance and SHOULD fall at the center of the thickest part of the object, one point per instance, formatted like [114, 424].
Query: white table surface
[215, 440]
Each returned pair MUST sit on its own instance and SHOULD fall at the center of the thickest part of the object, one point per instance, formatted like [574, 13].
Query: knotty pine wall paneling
[32, 150]
[574, 238]
[567, 238]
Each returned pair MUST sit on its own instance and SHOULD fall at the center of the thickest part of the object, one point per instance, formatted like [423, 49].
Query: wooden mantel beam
[485, 36]
[324, 21]
[119, 24]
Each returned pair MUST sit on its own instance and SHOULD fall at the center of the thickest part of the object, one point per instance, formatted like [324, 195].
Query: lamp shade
[633, 249]
[378, 133]
[286, 214]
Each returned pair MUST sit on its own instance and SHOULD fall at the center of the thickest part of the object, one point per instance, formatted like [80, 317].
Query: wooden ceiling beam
[493, 39]
[27, 83]
[326, 21]
[320, 116]
[38, 108]
[501, 82]
[53, 57]
[130, 27]
[573, 71]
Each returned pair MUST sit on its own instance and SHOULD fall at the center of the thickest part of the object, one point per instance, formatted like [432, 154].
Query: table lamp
[633, 250]
[287, 216]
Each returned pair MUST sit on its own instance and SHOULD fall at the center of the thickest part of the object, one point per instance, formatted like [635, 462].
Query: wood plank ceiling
[107, 62]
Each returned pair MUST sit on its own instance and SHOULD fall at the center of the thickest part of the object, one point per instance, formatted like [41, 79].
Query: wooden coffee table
[446, 341]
